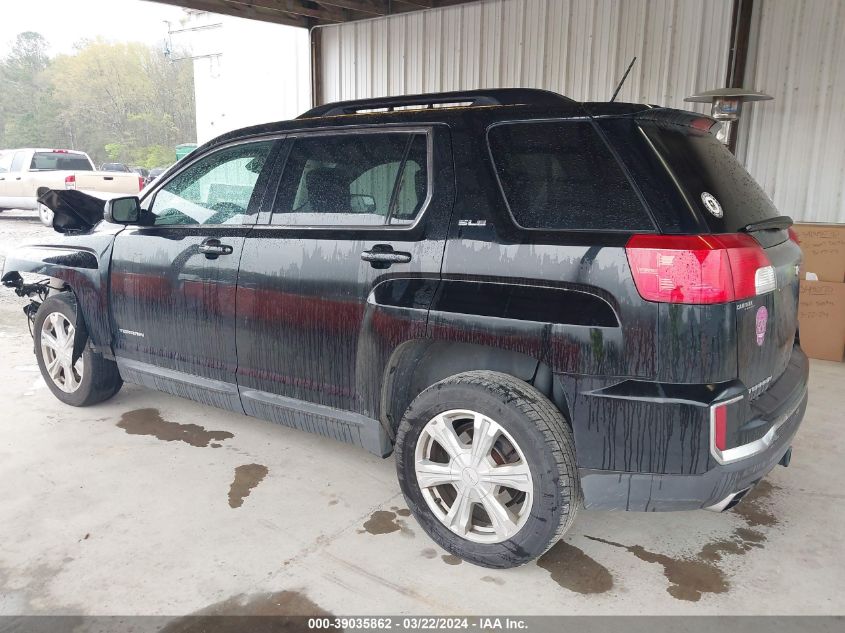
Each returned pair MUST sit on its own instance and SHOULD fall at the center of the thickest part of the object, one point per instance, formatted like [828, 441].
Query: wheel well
[416, 365]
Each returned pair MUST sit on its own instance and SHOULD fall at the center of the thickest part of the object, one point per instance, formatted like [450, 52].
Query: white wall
[576, 47]
[245, 71]
[794, 146]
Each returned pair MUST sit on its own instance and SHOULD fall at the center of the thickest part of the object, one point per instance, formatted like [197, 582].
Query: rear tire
[92, 379]
[467, 503]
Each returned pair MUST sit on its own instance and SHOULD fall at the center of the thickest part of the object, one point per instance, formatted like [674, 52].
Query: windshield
[59, 161]
[710, 177]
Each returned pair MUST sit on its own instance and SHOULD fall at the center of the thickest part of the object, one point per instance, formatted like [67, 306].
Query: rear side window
[561, 176]
[354, 180]
[701, 165]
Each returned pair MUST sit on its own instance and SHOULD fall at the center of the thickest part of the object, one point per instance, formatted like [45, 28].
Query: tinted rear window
[701, 164]
[561, 176]
[50, 161]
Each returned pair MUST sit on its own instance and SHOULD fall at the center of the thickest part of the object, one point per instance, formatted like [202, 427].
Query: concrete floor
[122, 509]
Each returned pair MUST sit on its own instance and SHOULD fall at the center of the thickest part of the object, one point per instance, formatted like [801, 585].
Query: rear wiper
[777, 222]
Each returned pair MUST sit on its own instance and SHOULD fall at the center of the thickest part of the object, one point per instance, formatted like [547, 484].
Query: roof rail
[501, 96]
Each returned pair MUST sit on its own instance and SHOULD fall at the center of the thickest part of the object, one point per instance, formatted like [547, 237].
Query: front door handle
[212, 249]
[383, 256]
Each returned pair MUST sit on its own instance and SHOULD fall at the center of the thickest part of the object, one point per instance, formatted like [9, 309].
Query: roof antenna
[622, 81]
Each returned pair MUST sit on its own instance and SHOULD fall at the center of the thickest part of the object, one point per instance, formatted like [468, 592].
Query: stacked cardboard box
[821, 311]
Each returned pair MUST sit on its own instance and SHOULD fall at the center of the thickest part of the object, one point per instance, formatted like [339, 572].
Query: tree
[27, 111]
[124, 102]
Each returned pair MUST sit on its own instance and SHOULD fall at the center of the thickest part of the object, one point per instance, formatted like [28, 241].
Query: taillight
[140, 183]
[720, 427]
[70, 182]
[699, 268]
[793, 235]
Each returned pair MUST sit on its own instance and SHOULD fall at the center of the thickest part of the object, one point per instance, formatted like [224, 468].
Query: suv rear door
[173, 278]
[344, 270]
[731, 202]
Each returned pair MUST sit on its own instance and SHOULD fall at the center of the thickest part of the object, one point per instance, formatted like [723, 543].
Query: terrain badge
[712, 204]
[761, 321]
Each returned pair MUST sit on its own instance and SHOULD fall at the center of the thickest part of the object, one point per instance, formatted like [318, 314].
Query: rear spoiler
[678, 120]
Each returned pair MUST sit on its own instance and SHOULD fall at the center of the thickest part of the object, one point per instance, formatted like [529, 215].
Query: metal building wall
[577, 47]
[794, 146]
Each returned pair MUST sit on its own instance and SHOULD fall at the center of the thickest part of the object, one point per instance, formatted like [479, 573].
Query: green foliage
[114, 151]
[120, 102]
[158, 156]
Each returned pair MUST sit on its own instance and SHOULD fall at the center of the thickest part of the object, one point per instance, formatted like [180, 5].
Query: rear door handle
[383, 256]
[212, 248]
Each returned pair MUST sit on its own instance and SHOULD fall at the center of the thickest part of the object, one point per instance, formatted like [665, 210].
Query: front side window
[560, 175]
[217, 189]
[353, 179]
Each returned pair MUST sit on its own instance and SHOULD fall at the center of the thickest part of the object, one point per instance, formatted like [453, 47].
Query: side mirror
[123, 210]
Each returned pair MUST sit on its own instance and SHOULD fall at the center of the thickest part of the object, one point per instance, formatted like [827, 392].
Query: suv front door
[342, 273]
[173, 278]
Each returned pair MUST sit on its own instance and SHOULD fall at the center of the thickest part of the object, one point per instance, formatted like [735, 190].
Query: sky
[64, 22]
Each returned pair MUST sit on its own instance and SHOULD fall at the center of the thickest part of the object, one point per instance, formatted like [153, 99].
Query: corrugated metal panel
[794, 146]
[577, 47]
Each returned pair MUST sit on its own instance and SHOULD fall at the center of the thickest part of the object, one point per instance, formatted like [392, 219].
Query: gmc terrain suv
[536, 303]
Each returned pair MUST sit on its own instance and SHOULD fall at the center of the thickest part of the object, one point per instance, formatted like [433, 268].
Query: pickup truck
[26, 174]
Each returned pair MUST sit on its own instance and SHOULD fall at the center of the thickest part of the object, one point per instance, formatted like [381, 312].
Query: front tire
[487, 466]
[91, 378]
[45, 215]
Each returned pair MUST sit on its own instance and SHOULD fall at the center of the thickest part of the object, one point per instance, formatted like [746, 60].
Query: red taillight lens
[140, 183]
[793, 235]
[720, 427]
[70, 182]
[699, 268]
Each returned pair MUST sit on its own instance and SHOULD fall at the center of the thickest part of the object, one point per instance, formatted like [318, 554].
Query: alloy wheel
[474, 476]
[57, 334]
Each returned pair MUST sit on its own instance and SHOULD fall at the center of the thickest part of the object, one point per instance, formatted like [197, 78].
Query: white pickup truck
[27, 173]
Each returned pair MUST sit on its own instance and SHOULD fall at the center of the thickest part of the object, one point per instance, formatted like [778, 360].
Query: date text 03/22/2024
[418, 623]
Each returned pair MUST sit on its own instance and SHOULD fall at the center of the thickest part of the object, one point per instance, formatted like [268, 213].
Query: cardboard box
[823, 246]
[821, 319]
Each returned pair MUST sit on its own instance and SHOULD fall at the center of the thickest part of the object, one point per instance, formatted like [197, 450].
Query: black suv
[535, 303]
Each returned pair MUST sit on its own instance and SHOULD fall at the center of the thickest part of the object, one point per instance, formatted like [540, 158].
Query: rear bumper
[715, 488]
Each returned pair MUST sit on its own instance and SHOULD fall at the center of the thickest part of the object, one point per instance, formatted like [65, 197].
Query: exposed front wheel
[85, 380]
[45, 215]
[487, 465]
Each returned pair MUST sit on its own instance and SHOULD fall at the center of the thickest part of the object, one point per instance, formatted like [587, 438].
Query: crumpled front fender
[82, 262]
